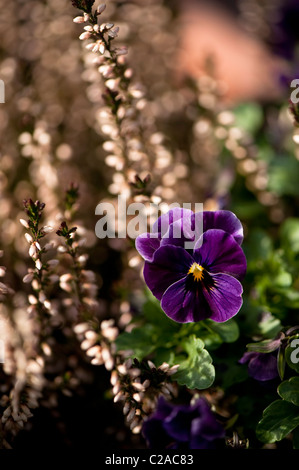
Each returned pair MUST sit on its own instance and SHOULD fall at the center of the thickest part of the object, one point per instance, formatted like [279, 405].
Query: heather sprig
[84, 5]
[138, 384]
[42, 275]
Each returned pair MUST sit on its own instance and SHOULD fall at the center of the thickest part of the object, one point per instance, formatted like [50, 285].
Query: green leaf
[197, 371]
[289, 233]
[281, 362]
[289, 390]
[258, 247]
[265, 346]
[154, 314]
[249, 117]
[228, 331]
[269, 326]
[292, 353]
[141, 341]
[279, 419]
[283, 176]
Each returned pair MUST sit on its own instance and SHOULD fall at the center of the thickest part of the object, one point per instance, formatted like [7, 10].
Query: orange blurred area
[212, 37]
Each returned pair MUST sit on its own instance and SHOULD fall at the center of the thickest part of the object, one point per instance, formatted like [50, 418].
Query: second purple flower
[202, 283]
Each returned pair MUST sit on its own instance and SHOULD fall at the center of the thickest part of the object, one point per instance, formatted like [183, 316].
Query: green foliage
[279, 419]
[290, 236]
[289, 390]
[140, 341]
[249, 117]
[283, 176]
[163, 340]
[196, 371]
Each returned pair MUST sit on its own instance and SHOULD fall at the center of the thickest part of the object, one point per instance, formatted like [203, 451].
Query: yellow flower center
[197, 271]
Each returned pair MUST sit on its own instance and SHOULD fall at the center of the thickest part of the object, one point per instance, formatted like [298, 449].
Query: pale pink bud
[101, 8]
[91, 46]
[35, 284]
[32, 300]
[33, 250]
[28, 278]
[85, 35]
[113, 32]
[81, 328]
[102, 48]
[24, 223]
[47, 229]
[79, 19]
[38, 264]
[53, 262]
[28, 238]
[112, 83]
[91, 335]
[93, 351]
[2, 271]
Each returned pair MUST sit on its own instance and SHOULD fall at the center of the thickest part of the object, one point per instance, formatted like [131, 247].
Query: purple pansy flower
[262, 358]
[261, 366]
[199, 283]
[179, 226]
[182, 426]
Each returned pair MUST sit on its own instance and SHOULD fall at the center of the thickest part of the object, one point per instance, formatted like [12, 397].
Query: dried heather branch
[21, 365]
[138, 385]
[42, 275]
[135, 149]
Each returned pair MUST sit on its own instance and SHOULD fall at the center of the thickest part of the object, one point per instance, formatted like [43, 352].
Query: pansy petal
[218, 252]
[162, 223]
[205, 428]
[146, 244]
[224, 297]
[263, 366]
[170, 263]
[180, 233]
[178, 423]
[184, 306]
[223, 220]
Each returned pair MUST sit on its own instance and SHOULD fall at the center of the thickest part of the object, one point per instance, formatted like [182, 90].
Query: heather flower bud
[52, 263]
[92, 46]
[79, 19]
[24, 223]
[38, 264]
[28, 238]
[28, 278]
[33, 250]
[32, 300]
[85, 35]
[47, 229]
[2, 271]
[101, 8]
[102, 48]
[81, 328]
[113, 33]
